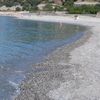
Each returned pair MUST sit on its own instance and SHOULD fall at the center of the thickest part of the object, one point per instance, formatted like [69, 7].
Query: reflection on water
[23, 43]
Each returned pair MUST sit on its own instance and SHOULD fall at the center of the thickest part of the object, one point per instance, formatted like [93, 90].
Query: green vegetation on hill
[84, 9]
[67, 5]
[27, 4]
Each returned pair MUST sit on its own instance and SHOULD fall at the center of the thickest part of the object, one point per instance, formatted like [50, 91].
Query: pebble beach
[71, 72]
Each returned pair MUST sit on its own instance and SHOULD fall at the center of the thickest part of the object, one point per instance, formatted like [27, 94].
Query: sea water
[24, 43]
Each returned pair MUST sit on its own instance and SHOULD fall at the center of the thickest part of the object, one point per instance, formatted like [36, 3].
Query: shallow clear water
[23, 43]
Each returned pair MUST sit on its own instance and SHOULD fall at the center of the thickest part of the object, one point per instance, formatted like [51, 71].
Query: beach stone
[73, 72]
[98, 14]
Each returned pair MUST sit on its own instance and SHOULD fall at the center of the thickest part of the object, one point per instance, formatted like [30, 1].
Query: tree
[69, 2]
[18, 9]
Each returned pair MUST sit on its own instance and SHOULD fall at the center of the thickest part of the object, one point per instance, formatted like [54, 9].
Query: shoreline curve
[71, 72]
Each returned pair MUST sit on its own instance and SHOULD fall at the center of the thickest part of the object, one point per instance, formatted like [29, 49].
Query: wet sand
[71, 72]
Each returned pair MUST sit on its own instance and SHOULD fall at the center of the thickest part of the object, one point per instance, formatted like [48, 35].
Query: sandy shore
[71, 72]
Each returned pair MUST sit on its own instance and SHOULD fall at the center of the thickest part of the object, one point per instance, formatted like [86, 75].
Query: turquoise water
[24, 43]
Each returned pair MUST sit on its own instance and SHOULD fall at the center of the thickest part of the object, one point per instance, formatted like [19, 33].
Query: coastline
[66, 76]
[51, 73]
[70, 72]
[69, 18]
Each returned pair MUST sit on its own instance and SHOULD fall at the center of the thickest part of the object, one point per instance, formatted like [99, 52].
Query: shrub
[48, 7]
[59, 8]
[69, 2]
[84, 9]
[18, 9]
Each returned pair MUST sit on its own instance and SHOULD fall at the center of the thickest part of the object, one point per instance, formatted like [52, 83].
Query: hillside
[50, 5]
[35, 2]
